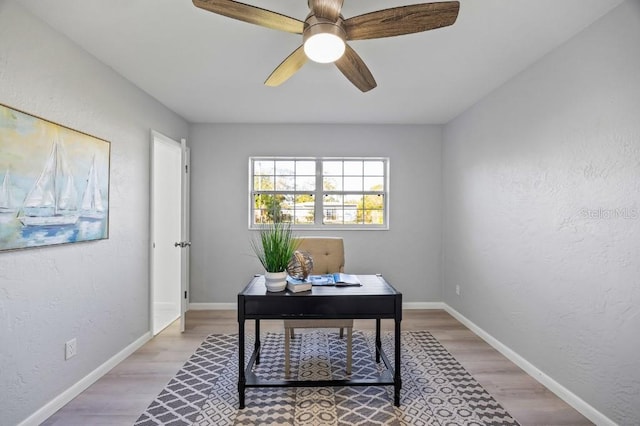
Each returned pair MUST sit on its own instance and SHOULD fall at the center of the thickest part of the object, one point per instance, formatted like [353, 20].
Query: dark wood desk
[375, 299]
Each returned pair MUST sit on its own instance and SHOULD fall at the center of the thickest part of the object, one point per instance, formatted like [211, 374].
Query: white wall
[408, 255]
[96, 292]
[533, 177]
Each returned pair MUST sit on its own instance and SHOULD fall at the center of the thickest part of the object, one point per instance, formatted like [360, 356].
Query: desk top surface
[372, 285]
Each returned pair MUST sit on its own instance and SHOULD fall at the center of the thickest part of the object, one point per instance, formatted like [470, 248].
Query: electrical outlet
[458, 290]
[70, 348]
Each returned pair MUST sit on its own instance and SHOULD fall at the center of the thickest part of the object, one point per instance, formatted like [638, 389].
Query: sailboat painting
[55, 183]
[7, 202]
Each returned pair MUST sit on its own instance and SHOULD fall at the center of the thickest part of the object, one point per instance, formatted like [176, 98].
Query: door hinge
[185, 294]
[186, 168]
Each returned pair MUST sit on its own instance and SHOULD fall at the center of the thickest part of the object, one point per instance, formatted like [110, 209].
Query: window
[319, 192]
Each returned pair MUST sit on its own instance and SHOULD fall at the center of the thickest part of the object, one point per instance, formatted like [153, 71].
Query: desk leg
[378, 340]
[241, 377]
[397, 378]
[256, 345]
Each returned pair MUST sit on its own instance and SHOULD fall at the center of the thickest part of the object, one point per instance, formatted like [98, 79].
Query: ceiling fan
[325, 32]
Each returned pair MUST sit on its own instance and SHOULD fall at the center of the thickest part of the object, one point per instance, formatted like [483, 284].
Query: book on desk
[337, 279]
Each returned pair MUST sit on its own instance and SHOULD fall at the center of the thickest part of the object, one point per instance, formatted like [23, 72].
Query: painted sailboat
[91, 206]
[53, 199]
[7, 202]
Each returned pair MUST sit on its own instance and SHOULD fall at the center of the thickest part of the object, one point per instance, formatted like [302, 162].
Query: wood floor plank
[123, 394]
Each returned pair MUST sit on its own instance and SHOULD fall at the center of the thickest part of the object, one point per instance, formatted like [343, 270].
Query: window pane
[305, 201]
[305, 183]
[332, 183]
[306, 168]
[353, 168]
[263, 167]
[353, 183]
[353, 200]
[373, 209]
[332, 216]
[333, 199]
[285, 183]
[260, 216]
[332, 209]
[351, 215]
[373, 217]
[305, 217]
[332, 168]
[262, 183]
[267, 207]
[373, 202]
[352, 209]
[374, 168]
[285, 168]
[288, 202]
[374, 183]
[284, 208]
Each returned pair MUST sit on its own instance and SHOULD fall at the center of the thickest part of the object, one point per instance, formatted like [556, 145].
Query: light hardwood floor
[123, 394]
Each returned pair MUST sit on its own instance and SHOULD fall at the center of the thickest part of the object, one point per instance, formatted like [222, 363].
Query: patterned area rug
[436, 389]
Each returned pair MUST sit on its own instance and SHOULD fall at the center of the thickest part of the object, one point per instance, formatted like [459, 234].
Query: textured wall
[408, 254]
[542, 214]
[96, 292]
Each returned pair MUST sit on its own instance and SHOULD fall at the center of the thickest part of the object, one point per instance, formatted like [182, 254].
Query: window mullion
[319, 195]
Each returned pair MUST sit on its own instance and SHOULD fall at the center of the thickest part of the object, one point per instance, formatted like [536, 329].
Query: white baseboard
[212, 306]
[232, 306]
[423, 305]
[563, 393]
[61, 400]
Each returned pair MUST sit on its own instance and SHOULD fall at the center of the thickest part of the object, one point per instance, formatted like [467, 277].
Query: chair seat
[289, 325]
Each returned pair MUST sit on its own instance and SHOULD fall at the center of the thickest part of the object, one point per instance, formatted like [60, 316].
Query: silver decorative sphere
[300, 265]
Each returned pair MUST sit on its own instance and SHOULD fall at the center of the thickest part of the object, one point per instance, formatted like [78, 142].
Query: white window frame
[319, 193]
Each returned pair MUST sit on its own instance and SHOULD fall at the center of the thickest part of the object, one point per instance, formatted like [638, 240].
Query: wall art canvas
[54, 183]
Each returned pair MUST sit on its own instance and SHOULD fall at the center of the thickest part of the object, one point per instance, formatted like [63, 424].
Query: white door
[169, 231]
[186, 229]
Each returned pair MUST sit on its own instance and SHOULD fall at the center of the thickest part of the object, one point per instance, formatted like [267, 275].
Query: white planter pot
[275, 281]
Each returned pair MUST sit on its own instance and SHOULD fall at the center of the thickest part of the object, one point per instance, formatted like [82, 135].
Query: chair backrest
[327, 253]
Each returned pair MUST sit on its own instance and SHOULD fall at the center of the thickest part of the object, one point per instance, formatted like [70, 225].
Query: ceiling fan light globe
[324, 48]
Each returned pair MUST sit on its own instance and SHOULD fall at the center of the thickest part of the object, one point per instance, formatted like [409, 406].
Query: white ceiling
[210, 69]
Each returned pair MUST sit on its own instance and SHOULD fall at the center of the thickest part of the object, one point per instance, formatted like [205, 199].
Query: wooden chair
[328, 257]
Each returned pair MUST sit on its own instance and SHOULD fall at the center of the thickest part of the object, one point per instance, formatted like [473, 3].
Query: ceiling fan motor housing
[314, 26]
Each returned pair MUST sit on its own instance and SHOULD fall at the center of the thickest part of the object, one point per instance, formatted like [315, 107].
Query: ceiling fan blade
[252, 15]
[402, 20]
[354, 68]
[327, 9]
[287, 68]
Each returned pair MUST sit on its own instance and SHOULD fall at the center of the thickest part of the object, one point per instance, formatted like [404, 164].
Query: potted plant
[274, 245]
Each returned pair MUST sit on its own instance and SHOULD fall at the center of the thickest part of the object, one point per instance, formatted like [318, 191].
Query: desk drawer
[321, 307]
